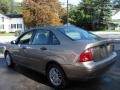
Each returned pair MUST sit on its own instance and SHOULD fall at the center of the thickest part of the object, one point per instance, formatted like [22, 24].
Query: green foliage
[17, 8]
[103, 13]
[91, 14]
[4, 6]
[9, 6]
[116, 3]
[77, 17]
[81, 15]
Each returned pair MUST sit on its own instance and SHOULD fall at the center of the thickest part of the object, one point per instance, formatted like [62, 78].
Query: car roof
[53, 27]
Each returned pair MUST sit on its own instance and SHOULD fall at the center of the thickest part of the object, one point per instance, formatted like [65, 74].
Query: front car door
[20, 47]
[40, 49]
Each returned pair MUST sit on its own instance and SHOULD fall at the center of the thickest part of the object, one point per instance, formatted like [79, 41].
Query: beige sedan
[62, 53]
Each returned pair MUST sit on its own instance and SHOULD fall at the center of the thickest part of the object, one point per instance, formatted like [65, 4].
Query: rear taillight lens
[87, 55]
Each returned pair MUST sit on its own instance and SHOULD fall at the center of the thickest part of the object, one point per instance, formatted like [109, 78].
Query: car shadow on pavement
[34, 75]
[105, 82]
[74, 85]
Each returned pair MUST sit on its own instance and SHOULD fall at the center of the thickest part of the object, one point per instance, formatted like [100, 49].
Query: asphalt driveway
[22, 78]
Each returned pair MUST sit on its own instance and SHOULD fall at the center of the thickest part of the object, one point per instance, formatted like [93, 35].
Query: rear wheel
[9, 60]
[56, 76]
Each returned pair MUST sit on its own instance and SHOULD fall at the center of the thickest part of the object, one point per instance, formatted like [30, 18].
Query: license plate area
[103, 51]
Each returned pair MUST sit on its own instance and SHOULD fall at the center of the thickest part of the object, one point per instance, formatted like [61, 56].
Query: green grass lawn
[1, 50]
[106, 31]
[7, 34]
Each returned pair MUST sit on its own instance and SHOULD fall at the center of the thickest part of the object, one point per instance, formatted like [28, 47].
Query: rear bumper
[90, 69]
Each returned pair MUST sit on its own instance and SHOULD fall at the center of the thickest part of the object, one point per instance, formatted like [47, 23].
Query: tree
[9, 7]
[91, 14]
[116, 3]
[4, 6]
[16, 8]
[81, 15]
[42, 12]
[103, 13]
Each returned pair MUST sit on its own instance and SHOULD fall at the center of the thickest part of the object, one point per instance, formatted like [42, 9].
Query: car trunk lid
[101, 49]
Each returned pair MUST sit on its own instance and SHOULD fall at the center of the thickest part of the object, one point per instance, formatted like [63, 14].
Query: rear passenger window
[53, 39]
[45, 37]
[41, 37]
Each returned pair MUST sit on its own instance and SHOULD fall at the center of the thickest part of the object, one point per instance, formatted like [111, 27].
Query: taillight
[87, 55]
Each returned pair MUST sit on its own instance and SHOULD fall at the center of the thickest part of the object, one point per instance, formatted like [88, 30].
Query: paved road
[22, 78]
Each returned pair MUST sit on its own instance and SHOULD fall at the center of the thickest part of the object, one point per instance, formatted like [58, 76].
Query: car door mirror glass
[13, 42]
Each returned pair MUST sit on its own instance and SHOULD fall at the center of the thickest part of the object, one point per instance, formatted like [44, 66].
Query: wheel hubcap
[55, 76]
[8, 60]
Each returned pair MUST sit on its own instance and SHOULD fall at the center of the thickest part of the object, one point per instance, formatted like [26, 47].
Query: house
[11, 23]
[116, 20]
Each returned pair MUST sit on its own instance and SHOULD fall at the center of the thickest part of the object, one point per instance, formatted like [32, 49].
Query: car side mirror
[13, 42]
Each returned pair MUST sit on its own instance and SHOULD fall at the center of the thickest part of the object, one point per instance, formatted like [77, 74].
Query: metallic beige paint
[66, 55]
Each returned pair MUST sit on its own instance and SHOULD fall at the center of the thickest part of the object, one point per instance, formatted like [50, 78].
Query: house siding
[6, 22]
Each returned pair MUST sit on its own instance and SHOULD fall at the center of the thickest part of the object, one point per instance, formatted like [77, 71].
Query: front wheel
[9, 60]
[56, 76]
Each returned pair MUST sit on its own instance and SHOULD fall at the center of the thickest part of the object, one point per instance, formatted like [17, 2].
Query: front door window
[25, 39]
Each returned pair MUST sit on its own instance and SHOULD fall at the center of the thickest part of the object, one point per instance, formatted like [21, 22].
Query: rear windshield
[76, 33]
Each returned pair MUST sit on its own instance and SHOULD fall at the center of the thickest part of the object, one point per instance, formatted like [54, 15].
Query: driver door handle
[25, 47]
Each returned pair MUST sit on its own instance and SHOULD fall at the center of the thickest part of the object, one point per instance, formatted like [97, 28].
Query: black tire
[64, 81]
[10, 64]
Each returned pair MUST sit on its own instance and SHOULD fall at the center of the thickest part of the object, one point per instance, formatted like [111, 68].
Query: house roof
[14, 15]
[116, 16]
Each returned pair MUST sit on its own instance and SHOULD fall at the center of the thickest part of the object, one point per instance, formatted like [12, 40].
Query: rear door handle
[43, 48]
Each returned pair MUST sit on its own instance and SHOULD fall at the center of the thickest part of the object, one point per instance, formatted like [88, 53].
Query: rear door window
[45, 37]
[41, 37]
